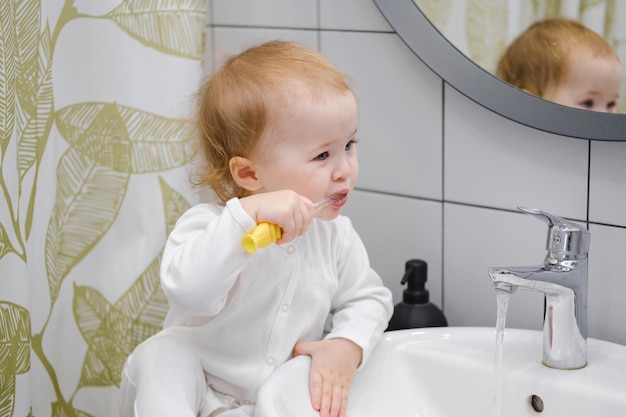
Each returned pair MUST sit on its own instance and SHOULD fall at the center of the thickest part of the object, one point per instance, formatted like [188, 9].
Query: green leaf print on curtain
[14, 352]
[113, 331]
[25, 111]
[85, 155]
[123, 138]
[88, 200]
[145, 20]
[486, 31]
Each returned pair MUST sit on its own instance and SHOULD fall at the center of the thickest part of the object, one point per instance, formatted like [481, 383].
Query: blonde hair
[539, 56]
[233, 105]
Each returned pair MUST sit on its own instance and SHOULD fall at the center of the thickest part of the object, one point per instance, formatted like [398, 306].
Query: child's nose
[342, 170]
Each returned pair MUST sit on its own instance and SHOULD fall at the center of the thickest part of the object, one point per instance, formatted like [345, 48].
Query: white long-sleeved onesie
[235, 317]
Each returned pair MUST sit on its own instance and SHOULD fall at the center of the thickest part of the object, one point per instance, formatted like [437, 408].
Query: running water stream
[502, 300]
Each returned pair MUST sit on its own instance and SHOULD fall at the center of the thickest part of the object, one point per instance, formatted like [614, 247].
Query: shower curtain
[94, 105]
[481, 29]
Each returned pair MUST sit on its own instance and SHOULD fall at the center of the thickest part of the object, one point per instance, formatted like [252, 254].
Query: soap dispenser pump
[416, 310]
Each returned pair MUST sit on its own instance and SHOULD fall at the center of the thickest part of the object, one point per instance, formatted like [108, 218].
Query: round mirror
[456, 69]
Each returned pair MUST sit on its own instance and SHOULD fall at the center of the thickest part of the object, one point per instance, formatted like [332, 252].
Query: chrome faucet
[563, 279]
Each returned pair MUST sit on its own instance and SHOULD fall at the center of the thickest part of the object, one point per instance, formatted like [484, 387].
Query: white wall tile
[229, 41]
[607, 189]
[400, 124]
[352, 15]
[607, 284]
[492, 161]
[271, 13]
[476, 239]
[395, 230]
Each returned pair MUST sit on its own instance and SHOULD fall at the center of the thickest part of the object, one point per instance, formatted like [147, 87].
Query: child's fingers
[344, 401]
[330, 379]
[334, 400]
[338, 401]
[315, 389]
[297, 224]
[325, 399]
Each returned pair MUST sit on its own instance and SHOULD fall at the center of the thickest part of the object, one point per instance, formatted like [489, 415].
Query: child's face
[593, 83]
[309, 147]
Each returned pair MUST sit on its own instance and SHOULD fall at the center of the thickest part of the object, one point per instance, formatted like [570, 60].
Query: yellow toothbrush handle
[263, 235]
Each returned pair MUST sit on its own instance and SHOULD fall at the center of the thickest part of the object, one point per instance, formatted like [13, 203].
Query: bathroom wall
[441, 176]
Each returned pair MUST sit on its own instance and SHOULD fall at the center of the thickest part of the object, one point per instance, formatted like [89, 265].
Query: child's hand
[333, 364]
[292, 212]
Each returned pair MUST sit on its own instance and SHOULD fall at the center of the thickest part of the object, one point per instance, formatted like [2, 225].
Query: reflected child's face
[310, 148]
[592, 83]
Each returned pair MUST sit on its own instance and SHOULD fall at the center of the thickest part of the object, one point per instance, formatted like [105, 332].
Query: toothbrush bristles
[334, 197]
[337, 196]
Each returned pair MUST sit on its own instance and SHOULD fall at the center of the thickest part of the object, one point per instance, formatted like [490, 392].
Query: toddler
[278, 133]
[565, 62]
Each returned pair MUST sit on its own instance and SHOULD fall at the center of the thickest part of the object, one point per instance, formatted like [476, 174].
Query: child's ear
[242, 171]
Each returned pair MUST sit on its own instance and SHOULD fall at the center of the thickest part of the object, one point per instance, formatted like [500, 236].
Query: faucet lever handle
[564, 236]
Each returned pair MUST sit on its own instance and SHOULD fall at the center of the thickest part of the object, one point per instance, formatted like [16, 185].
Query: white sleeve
[203, 257]
[362, 305]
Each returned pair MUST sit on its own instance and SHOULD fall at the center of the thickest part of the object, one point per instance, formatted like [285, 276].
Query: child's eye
[350, 144]
[322, 156]
[587, 104]
[611, 105]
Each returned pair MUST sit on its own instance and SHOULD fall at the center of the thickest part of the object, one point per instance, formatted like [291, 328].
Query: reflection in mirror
[563, 61]
[482, 87]
[482, 30]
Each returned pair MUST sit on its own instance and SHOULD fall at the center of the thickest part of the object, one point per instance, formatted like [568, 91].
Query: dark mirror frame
[460, 72]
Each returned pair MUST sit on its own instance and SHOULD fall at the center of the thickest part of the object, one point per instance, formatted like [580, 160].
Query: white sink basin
[450, 372]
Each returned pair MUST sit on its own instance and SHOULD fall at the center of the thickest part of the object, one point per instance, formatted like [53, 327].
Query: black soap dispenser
[415, 310]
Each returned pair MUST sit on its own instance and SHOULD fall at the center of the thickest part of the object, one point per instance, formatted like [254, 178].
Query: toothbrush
[264, 234]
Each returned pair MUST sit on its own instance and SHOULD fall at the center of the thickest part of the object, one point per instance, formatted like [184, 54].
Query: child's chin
[328, 215]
